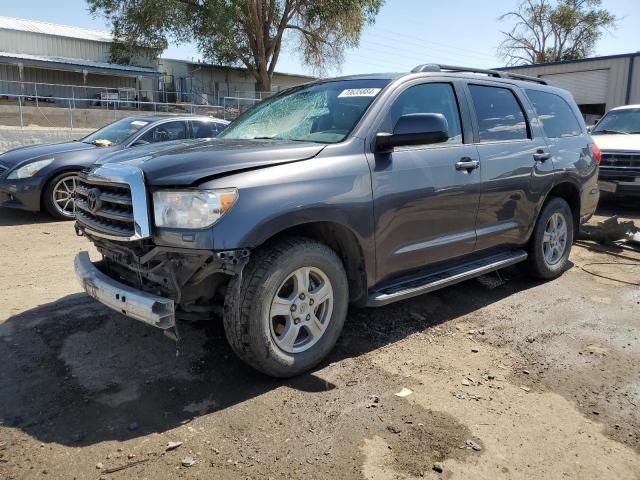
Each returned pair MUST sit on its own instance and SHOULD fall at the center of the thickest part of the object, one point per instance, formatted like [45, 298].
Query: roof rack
[433, 67]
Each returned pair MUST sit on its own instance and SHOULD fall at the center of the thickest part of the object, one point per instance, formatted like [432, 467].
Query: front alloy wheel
[301, 310]
[284, 314]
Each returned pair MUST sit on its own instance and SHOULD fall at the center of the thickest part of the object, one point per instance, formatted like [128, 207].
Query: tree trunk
[263, 80]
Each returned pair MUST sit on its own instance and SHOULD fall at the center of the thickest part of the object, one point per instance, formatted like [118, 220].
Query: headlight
[30, 169]
[191, 209]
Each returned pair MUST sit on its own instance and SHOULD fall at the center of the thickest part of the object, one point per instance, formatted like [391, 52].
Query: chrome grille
[111, 202]
[620, 160]
[105, 207]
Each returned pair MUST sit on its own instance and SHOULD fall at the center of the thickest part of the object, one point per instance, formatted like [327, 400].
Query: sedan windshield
[116, 132]
[624, 121]
[323, 112]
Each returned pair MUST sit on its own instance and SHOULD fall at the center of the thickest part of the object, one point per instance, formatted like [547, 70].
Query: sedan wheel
[60, 194]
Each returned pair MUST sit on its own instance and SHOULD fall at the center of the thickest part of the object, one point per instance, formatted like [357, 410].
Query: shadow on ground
[10, 217]
[75, 373]
[624, 207]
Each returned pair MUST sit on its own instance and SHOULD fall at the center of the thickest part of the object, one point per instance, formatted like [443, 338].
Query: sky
[406, 33]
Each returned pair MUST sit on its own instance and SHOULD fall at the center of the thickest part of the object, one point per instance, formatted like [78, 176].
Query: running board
[414, 286]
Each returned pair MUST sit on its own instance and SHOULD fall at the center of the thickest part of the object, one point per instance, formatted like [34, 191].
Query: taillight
[597, 153]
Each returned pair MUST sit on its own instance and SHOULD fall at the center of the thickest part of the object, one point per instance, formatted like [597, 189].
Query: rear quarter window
[558, 120]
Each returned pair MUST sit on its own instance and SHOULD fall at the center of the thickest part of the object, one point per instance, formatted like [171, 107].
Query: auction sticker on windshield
[359, 92]
[139, 123]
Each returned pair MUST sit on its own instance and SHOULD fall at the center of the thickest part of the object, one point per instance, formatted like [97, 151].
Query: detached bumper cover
[156, 311]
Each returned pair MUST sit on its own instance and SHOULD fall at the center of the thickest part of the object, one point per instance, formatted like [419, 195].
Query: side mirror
[414, 129]
[139, 142]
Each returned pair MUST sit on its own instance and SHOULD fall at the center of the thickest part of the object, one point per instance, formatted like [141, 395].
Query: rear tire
[59, 194]
[551, 240]
[285, 313]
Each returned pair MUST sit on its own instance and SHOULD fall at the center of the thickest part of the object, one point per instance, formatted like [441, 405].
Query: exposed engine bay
[196, 280]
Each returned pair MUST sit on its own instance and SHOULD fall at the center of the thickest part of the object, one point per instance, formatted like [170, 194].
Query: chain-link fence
[86, 95]
[233, 107]
[82, 113]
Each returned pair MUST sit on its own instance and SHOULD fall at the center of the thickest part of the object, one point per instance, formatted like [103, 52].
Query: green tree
[247, 33]
[548, 31]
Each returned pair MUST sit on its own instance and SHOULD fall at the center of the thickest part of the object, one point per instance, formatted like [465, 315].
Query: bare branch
[554, 29]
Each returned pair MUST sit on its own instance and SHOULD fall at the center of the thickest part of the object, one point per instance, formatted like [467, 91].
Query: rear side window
[500, 117]
[203, 129]
[428, 98]
[555, 114]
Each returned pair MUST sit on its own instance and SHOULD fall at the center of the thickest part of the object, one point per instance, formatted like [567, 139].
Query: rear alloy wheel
[554, 239]
[551, 241]
[284, 314]
[60, 195]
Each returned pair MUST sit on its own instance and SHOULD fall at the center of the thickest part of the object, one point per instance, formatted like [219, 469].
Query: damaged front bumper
[152, 309]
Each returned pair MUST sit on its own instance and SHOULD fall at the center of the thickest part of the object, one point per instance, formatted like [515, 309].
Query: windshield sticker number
[359, 92]
[139, 123]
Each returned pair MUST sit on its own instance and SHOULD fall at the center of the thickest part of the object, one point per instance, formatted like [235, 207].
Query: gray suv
[361, 190]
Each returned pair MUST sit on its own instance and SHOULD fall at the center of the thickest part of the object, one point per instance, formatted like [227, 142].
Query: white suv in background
[617, 134]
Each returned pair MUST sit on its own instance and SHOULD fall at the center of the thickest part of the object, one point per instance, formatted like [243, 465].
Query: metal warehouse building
[55, 56]
[598, 84]
[202, 82]
[49, 61]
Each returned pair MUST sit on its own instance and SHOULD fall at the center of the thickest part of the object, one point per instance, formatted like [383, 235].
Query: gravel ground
[509, 378]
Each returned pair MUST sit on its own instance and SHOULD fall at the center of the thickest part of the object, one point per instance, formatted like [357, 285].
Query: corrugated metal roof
[36, 26]
[565, 62]
[74, 62]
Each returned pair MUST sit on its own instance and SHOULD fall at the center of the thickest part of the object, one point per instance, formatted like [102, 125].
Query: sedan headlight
[191, 208]
[30, 169]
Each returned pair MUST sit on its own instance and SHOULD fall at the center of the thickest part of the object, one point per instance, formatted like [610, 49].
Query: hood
[628, 143]
[191, 163]
[20, 155]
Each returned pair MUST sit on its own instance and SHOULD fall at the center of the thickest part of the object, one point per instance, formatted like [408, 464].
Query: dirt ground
[510, 379]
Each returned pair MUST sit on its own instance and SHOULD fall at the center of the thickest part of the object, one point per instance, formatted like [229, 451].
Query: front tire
[285, 313]
[552, 239]
[58, 195]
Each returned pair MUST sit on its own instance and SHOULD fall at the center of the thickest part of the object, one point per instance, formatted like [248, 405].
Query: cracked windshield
[323, 113]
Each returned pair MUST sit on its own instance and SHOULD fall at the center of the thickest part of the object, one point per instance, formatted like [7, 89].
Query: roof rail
[527, 78]
[433, 67]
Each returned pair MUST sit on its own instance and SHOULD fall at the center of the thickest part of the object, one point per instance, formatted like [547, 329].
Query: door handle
[541, 156]
[467, 164]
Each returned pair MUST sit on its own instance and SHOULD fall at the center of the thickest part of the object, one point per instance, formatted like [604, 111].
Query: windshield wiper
[614, 132]
[287, 139]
